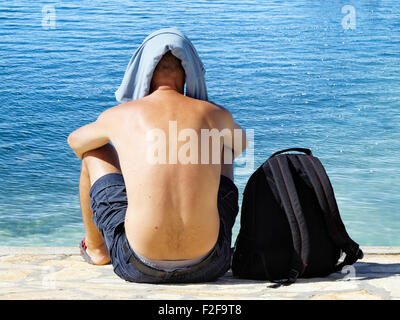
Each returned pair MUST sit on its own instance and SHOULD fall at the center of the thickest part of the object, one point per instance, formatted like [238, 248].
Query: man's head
[169, 71]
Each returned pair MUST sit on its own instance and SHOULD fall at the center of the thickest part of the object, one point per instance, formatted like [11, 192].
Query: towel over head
[139, 72]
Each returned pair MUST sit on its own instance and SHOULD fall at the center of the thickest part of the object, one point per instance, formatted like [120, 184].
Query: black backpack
[290, 224]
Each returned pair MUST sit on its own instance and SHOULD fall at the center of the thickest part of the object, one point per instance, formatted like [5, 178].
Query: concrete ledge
[74, 251]
[382, 250]
[60, 273]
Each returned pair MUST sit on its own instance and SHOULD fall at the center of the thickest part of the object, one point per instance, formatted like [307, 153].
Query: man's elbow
[72, 140]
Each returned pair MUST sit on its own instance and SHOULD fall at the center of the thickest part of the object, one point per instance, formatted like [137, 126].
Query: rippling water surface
[287, 69]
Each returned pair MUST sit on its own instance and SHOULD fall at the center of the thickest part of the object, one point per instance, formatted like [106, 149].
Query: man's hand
[91, 136]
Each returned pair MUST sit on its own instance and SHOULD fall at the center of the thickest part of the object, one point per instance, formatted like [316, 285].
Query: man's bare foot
[100, 255]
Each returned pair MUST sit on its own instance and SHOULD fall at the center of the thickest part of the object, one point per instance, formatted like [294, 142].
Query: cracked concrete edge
[5, 250]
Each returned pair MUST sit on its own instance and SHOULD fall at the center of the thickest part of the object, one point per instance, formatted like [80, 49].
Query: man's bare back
[172, 208]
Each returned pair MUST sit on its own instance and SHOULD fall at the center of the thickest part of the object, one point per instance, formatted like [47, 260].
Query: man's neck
[166, 87]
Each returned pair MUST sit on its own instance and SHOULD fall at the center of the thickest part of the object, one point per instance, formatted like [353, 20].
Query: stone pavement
[60, 273]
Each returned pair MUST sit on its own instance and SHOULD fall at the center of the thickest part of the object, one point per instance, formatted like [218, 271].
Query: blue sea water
[290, 70]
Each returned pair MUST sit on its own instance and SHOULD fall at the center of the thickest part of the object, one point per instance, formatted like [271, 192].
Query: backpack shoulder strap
[287, 191]
[326, 198]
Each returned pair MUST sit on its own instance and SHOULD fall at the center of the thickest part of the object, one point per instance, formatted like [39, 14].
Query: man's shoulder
[124, 107]
[219, 116]
[119, 111]
[218, 110]
[217, 106]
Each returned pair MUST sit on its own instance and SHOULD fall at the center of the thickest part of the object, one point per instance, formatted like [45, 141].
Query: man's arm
[238, 141]
[239, 138]
[91, 136]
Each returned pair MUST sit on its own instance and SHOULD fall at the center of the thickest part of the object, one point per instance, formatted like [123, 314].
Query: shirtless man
[157, 222]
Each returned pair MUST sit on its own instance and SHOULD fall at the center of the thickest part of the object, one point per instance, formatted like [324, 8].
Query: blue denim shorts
[108, 202]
